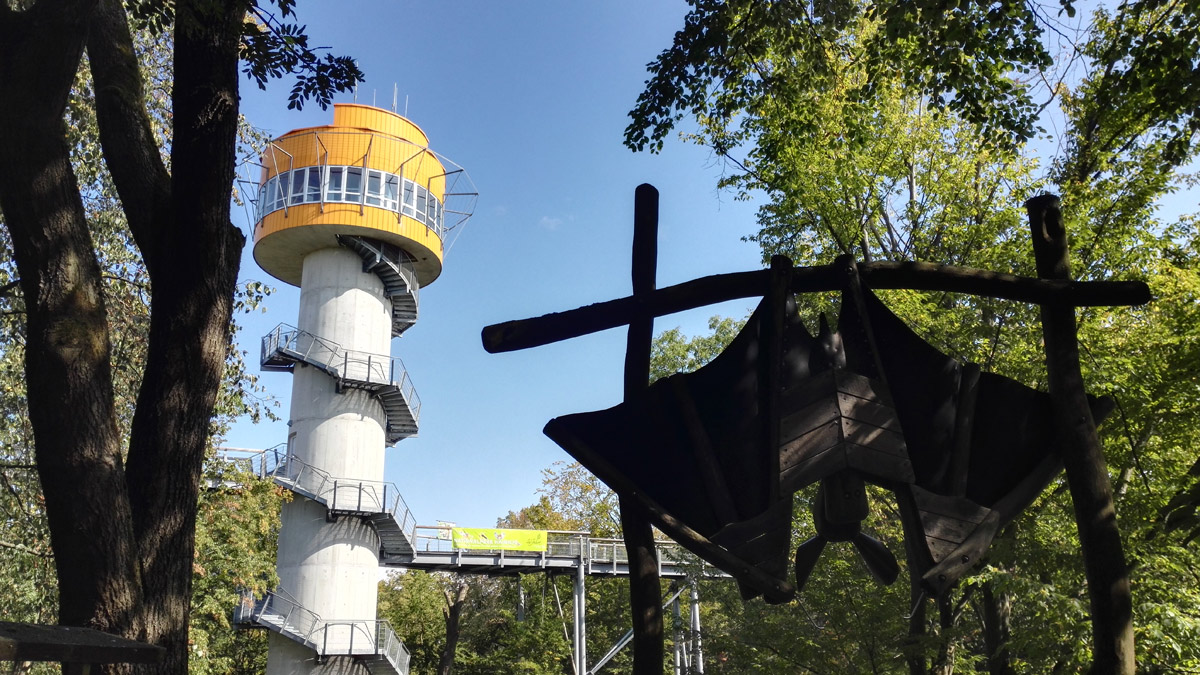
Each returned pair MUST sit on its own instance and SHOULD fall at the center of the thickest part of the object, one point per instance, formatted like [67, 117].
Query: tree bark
[68, 375]
[997, 609]
[1087, 474]
[453, 615]
[192, 259]
[123, 540]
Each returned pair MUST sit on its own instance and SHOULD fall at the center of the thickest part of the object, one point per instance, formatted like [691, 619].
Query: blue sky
[531, 98]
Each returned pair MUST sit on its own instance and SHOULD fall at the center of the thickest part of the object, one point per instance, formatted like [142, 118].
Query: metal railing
[363, 638]
[355, 369]
[559, 544]
[278, 613]
[338, 494]
[328, 638]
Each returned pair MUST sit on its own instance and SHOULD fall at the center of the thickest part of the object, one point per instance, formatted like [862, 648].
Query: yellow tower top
[369, 174]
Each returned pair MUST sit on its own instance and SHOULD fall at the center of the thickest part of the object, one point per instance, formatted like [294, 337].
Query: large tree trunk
[193, 263]
[123, 540]
[69, 381]
[452, 613]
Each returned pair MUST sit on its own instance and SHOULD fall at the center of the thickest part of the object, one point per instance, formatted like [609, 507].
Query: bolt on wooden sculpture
[964, 451]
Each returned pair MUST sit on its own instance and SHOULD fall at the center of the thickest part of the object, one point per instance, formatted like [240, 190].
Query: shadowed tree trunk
[123, 537]
[455, 601]
[997, 608]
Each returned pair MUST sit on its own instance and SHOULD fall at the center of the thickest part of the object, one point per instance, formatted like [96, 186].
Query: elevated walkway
[383, 376]
[565, 552]
[395, 269]
[372, 643]
[406, 545]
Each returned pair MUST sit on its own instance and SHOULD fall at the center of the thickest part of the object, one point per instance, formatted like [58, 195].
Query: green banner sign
[476, 538]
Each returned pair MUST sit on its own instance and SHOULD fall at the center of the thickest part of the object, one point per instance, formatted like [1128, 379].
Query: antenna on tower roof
[356, 92]
[395, 92]
[406, 105]
[373, 93]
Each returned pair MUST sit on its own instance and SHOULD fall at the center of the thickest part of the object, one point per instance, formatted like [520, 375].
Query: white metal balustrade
[371, 642]
[381, 375]
[378, 502]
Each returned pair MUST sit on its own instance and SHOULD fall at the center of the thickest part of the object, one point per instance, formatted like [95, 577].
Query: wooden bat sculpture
[964, 451]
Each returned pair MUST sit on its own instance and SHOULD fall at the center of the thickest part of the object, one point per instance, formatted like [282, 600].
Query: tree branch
[130, 150]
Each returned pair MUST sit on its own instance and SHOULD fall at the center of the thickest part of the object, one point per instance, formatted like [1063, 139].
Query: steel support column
[697, 649]
[580, 604]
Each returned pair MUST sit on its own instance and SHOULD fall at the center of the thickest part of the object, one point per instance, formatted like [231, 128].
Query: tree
[122, 517]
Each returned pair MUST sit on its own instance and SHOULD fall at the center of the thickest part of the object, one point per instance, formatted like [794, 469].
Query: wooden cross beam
[550, 328]
[76, 648]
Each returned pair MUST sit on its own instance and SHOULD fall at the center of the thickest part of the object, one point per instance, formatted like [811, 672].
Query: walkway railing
[339, 495]
[286, 345]
[363, 638]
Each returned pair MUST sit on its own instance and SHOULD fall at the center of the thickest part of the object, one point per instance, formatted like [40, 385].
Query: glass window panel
[333, 191]
[353, 184]
[273, 201]
[391, 191]
[421, 203]
[374, 187]
[314, 184]
[296, 195]
[409, 195]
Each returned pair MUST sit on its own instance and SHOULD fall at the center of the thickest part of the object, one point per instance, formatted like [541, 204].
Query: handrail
[559, 545]
[348, 366]
[363, 637]
[340, 494]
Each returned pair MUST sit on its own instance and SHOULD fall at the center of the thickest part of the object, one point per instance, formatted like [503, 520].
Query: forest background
[855, 136]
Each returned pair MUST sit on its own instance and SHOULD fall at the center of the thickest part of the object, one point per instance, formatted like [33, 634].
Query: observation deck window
[354, 185]
[345, 184]
[333, 187]
[374, 188]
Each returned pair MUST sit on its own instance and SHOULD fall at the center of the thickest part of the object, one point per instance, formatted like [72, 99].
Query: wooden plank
[704, 454]
[940, 549]
[888, 468]
[868, 412]
[863, 387]
[947, 528]
[71, 644]
[812, 469]
[939, 578]
[814, 388]
[949, 506]
[806, 420]
[810, 445]
[870, 436]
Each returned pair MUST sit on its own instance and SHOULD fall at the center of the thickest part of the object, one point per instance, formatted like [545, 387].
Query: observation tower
[356, 214]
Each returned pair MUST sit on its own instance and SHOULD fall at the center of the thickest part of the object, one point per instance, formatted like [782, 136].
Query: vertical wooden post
[1087, 474]
[645, 590]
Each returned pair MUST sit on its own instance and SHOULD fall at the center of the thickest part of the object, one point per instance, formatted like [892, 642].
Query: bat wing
[982, 446]
[691, 448]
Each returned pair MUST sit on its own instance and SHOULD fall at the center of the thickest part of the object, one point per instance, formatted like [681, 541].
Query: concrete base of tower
[330, 568]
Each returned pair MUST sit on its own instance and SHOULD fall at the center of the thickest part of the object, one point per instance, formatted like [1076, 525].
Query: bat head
[830, 352]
